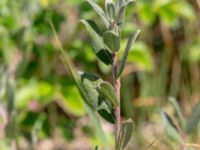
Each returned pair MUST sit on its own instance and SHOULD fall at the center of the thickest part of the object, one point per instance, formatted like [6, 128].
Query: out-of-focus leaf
[112, 40]
[125, 134]
[98, 128]
[171, 128]
[167, 13]
[188, 12]
[10, 97]
[194, 118]
[178, 112]
[194, 53]
[34, 90]
[36, 128]
[71, 101]
[100, 12]
[77, 79]
[5, 145]
[131, 40]
[147, 15]
[11, 127]
[100, 49]
[107, 91]
[140, 55]
[3, 80]
[110, 10]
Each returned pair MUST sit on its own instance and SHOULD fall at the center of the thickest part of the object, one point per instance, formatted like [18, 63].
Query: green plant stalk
[117, 85]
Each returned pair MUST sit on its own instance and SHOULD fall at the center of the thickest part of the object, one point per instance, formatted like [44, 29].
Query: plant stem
[117, 86]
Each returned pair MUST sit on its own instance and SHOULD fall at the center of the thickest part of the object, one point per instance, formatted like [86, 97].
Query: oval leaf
[110, 10]
[125, 134]
[100, 49]
[121, 6]
[103, 106]
[112, 40]
[107, 91]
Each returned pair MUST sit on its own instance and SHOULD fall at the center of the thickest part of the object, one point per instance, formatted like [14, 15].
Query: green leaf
[119, 3]
[100, 12]
[170, 127]
[178, 112]
[100, 49]
[105, 56]
[194, 118]
[99, 103]
[121, 11]
[107, 91]
[90, 83]
[140, 56]
[106, 110]
[77, 79]
[109, 116]
[112, 40]
[131, 40]
[125, 134]
[110, 10]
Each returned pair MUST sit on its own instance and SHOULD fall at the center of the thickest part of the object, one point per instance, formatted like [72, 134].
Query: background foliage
[39, 103]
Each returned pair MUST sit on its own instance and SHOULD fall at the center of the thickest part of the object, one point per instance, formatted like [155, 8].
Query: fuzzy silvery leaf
[119, 3]
[100, 49]
[112, 40]
[100, 12]
[107, 91]
[121, 11]
[99, 103]
[89, 82]
[131, 40]
[110, 10]
[125, 134]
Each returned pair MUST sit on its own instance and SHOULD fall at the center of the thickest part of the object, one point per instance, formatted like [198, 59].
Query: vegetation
[48, 102]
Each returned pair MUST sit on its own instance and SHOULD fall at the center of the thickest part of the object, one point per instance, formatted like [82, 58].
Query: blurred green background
[39, 103]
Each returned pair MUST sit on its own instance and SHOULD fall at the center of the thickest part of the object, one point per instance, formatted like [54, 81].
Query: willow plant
[99, 95]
